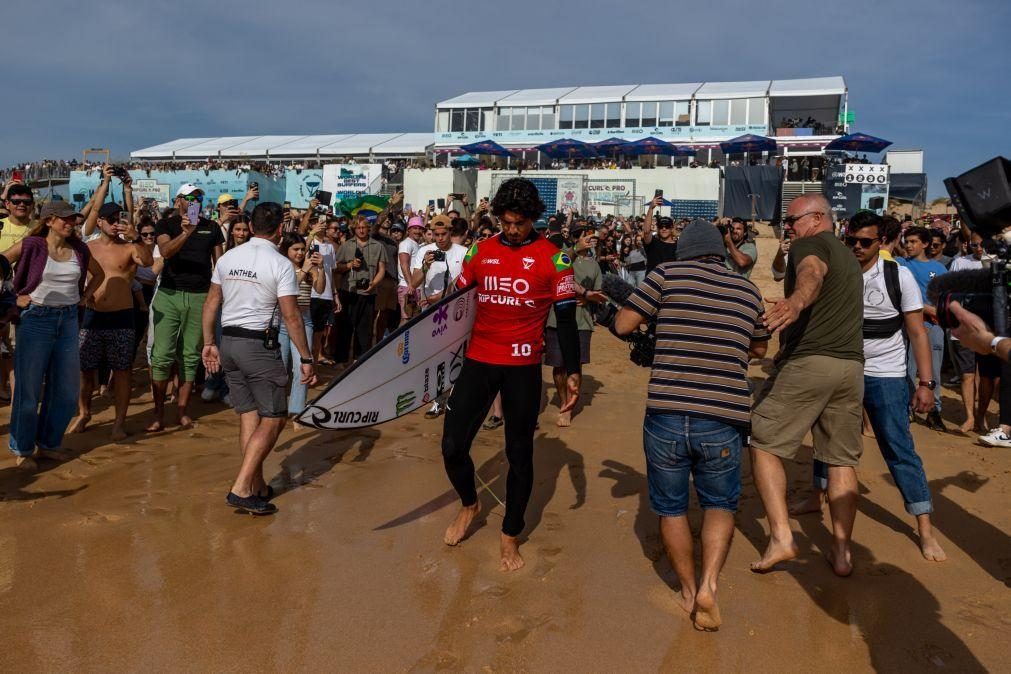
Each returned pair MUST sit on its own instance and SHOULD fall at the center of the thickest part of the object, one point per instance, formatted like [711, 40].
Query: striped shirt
[706, 318]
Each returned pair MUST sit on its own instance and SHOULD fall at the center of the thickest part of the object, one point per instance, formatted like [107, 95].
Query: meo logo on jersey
[507, 284]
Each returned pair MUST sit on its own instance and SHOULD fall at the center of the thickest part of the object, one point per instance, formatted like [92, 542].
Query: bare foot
[812, 504]
[707, 612]
[26, 464]
[967, 426]
[564, 419]
[119, 433]
[185, 422]
[55, 454]
[155, 426]
[511, 560]
[931, 549]
[686, 600]
[457, 531]
[103, 391]
[80, 425]
[774, 554]
[842, 564]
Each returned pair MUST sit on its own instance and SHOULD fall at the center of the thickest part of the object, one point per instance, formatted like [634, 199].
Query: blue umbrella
[489, 147]
[649, 145]
[749, 142]
[566, 148]
[465, 160]
[611, 145]
[858, 142]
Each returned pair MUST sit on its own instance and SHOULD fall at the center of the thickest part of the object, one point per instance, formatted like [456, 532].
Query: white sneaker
[435, 412]
[996, 438]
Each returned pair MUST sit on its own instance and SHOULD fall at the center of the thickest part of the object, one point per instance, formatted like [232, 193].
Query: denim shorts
[678, 446]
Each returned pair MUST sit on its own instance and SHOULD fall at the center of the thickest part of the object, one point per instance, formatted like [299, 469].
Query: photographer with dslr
[708, 324]
[741, 253]
[362, 260]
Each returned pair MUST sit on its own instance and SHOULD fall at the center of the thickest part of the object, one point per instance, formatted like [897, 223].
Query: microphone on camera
[616, 288]
[970, 281]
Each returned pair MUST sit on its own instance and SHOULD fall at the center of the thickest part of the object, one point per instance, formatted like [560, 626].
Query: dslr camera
[982, 198]
[438, 256]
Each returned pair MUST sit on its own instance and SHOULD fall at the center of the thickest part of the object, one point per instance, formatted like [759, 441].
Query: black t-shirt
[391, 253]
[189, 270]
[658, 252]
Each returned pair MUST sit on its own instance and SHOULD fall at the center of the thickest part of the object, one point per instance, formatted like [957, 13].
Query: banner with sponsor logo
[301, 185]
[163, 185]
[406, 370]
[672, 134]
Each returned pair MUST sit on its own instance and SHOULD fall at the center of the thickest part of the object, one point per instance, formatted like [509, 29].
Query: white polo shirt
[252, 276]
[435, 279]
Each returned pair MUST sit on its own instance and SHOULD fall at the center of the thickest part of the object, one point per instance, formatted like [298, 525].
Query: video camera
[641, 342]
[982, 197]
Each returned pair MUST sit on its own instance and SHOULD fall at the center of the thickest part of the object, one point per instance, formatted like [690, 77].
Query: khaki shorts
[819, 394]
[386, 295]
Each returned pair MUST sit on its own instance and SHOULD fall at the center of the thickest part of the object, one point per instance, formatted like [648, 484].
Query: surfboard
[407, 369]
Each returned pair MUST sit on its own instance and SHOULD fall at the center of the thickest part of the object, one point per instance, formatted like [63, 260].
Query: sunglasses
[21, 202]
[790, 220]
[194, 197]
[973, 245]
[147, 235]
[864, 241]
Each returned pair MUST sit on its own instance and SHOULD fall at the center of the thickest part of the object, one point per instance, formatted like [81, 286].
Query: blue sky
[928, 74]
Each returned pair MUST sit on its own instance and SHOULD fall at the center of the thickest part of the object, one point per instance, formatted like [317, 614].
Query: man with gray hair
[817, 385]
[708, 323]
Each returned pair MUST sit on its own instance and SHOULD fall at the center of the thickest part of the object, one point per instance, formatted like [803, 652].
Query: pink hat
[415, 222]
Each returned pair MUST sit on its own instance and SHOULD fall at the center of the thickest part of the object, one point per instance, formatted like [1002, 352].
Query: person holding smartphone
[662, 246]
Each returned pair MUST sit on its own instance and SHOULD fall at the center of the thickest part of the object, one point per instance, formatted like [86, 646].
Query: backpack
[882, 328]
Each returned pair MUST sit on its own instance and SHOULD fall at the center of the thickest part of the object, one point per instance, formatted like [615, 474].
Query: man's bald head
[808, 215]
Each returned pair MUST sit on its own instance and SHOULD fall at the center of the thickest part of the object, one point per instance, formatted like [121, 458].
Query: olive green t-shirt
[833, 324]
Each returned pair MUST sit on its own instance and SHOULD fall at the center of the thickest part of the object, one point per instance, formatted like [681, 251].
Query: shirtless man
[107, 331]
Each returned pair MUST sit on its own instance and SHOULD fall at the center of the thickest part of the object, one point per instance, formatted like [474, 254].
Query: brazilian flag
[367, 203]
[562, 261]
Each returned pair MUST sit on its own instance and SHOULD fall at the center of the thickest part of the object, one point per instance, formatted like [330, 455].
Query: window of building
[703, 113]
[565, 117]
[756, 111]
[456, 120]
[469, 119]
[721, 112]
[613, 116]
[632, 114]
[548, 117]
[597, 116]
[503, 121]
[582, 120]
[533, 119]
[649, 110]
[739, 111]
[519, 119]
[666, 113]
[682, 113]
[442, 121]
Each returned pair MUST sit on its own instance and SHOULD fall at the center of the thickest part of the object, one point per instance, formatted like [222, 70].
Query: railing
[38, 173]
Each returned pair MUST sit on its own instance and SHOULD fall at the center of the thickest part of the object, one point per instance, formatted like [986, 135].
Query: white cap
[187, 189]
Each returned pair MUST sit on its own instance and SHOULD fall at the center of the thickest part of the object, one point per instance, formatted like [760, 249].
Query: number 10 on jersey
[521, 350]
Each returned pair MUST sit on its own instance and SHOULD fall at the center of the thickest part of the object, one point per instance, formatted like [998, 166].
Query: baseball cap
[186, 189]
[441, 221]
[61, 209]
[397, 228]
[665, 222]
[225, 198]
[109, 209]
[415, 222]
[541, 225]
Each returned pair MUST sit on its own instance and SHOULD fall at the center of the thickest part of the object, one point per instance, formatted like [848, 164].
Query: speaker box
[876, 203]
[986, 193]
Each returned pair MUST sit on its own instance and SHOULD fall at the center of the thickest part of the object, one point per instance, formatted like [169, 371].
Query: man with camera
[662, 246]
[817, 385]
[708, 323]
[893, 313]
[255, 287]
[741, 253]
[362, 261]
[190, 246]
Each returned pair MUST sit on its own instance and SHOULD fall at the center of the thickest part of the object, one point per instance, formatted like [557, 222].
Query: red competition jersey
[516, 286]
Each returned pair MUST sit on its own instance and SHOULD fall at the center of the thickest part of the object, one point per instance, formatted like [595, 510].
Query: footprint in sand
[552, 522]
[92, 517]
[519, 628]
[496, 591]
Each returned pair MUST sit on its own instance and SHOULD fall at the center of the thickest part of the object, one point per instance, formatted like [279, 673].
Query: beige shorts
[819, 394]
[386, 295]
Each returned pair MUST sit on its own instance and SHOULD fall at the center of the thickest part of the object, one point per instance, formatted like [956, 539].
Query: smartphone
[658, 193]
[315, 248]
[254, 185]
[457, 196]
[323, 197]
[440, 202]
[193, 212]
[407, 207]
[287, 205]
[431, 202]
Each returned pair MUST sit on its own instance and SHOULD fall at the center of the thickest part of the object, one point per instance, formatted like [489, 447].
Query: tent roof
[814, 86]
[259, 146]
[596, 94]
[474, 99]
[536, 96]
[663, 92]
[166, 149]
[408, 143]
[733, 89]
[213, 146]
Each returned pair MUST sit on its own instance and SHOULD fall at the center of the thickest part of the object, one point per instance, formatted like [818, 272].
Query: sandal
[492, 423]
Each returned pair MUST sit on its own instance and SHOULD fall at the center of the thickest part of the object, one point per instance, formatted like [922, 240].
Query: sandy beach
[126, 558]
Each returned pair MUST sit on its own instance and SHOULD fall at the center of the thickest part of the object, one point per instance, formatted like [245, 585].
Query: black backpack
[882, 328]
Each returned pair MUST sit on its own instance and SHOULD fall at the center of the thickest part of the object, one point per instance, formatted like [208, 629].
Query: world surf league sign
[349, 181]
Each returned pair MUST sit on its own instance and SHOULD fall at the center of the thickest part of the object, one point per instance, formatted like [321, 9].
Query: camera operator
[254, 284]
[435, 268]
[741, 253]
[519, 276]
[362, 261]
[708, 323]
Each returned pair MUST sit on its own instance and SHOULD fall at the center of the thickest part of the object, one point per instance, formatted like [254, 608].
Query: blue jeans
[47, 371]
[935, 335]
[886, 400]
[291, 358]
[636, 277]
[678, 446]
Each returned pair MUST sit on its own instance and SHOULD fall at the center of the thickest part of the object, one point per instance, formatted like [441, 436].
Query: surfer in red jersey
[519, 276]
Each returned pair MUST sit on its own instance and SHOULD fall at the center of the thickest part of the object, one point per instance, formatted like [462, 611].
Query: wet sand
[126, 557]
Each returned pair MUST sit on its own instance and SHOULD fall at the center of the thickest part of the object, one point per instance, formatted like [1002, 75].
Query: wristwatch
[995, 341]
[306, 361]
[931, 384]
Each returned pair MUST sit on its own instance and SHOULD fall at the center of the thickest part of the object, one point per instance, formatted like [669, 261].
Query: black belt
[236, 331]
